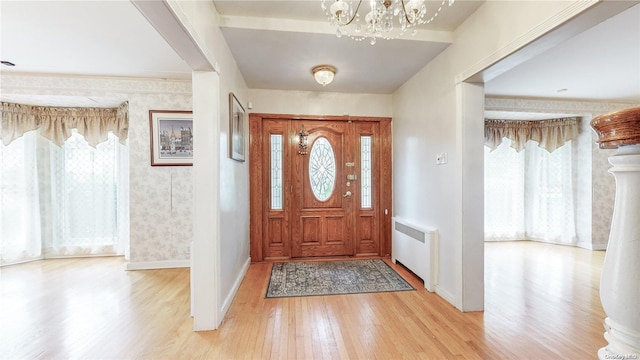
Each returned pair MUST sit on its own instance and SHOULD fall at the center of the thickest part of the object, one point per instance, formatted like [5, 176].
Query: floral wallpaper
[582, 169]
[160, 196]
[604, 192]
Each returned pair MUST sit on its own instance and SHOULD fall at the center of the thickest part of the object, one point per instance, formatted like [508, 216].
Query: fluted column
[620, 280]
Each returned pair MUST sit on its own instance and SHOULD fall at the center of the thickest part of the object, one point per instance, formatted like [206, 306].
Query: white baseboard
[590, 246]
[236, 285]
[446, 295]
[163, 264]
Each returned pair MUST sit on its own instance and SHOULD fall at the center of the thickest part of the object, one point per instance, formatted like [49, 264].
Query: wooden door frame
[256, 176]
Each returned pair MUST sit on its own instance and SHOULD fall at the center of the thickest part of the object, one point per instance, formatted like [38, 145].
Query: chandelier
[386, 19]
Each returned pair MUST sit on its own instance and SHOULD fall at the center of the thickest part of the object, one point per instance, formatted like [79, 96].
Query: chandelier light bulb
[340, 11]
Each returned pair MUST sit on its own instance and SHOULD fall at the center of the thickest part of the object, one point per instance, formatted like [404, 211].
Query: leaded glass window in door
[365, 160]
[322, 169]
[276, 172]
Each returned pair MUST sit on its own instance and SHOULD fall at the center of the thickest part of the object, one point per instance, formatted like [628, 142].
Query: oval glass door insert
[322, 169]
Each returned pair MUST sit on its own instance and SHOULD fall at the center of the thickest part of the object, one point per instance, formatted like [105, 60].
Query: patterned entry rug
[314, 278]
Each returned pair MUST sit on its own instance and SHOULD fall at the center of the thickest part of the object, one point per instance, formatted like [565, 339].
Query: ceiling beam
[588, 15]
[162, 17]
[317, 27]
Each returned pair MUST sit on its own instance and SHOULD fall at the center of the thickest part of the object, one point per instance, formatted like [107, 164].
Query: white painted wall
[206, 220]
[319, 103]
[428, 115]
[229, 227]
[469, 248]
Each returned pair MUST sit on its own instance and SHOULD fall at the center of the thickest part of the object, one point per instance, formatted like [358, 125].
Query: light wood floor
[542, 302]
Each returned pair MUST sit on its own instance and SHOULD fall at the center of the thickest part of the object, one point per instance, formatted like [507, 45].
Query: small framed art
[236, 129]
[171, 137]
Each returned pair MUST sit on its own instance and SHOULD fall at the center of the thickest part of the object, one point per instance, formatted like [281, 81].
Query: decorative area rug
[314, 278]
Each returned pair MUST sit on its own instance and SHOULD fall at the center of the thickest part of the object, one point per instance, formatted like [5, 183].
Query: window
[365, 172]
[322, 169]
[63, 201]
[529, 195]
[276, 172]
[19, 201]
[84, 192]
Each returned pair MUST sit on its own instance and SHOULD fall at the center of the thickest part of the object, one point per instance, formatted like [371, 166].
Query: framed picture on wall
[171, 137]
[236, 129]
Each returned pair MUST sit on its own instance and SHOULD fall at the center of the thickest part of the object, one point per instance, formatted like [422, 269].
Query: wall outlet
[441, 158]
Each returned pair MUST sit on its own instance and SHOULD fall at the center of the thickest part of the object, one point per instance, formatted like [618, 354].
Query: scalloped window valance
[550, 134]
[55, 123]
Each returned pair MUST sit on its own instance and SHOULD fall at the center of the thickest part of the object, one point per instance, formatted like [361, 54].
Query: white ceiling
[283, 60]
[276, 43]
[103, 38]
[601, 64]
[274, 49]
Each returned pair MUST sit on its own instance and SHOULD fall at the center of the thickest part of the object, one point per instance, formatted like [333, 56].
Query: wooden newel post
[620, 281]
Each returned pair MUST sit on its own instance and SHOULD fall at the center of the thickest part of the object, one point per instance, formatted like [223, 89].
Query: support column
[620, 281]
[205, 256]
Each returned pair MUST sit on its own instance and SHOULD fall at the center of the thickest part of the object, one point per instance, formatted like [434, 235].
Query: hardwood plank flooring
[542, 302]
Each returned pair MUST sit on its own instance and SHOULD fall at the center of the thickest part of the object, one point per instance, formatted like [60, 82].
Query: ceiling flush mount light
[386, 19]
[324, 74]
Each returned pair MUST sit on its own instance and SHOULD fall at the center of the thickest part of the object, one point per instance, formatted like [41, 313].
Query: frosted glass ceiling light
[386, 19]
[324, 74]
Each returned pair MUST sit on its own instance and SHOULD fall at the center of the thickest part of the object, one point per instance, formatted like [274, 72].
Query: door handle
[347, 194]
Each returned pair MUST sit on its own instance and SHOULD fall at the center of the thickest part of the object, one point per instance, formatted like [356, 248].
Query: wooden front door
[322, 203]
[335, 200]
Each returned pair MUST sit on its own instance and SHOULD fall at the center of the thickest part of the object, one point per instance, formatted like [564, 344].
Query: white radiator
[416, 247]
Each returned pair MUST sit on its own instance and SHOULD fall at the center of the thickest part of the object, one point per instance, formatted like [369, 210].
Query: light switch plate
[441, 158]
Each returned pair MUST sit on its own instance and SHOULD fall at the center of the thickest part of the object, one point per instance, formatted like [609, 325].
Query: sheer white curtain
[529, 194]
[504, 193]
[19, 201]
[550, 213]
[57, 201]
[85, 193]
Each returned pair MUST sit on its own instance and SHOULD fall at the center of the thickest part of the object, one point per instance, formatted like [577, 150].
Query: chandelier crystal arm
[355, 13]
[404, 11]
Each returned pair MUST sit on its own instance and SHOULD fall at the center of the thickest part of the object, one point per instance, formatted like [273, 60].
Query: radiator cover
[416, 247]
